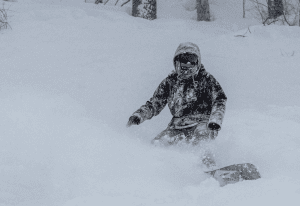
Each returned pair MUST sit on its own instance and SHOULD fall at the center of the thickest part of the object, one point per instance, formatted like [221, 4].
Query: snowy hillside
[72, 73]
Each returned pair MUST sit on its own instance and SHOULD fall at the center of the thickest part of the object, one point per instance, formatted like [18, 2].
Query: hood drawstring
[194, 81]
[171, 84]
[193, 76]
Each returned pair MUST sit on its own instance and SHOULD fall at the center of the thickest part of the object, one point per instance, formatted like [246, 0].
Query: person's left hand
[213, 126]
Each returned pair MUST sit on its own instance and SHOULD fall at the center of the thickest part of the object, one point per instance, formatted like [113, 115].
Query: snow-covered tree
[275, 8]
[203, 13]
[144, 8]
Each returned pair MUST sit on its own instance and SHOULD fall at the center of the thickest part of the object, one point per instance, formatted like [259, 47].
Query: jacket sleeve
[219, 103]
[156, 104]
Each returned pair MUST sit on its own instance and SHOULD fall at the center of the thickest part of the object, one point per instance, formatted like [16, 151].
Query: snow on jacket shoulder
[194, 100]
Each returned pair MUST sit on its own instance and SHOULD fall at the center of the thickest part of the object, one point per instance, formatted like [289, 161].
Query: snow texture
[72, 73]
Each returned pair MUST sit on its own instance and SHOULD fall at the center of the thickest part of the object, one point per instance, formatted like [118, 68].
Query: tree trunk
[244, 13]
[275, 8]
[203, 13]
[144, 8]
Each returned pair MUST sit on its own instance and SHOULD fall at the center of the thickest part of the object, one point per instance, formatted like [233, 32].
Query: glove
[133, 120]
[214, 126]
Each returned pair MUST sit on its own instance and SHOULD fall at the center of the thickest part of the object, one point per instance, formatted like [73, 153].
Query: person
[195, 99]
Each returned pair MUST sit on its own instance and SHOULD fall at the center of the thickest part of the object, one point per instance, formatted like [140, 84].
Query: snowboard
[235, 173]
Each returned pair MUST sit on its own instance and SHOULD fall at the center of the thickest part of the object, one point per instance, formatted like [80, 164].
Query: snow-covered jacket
[192, 100]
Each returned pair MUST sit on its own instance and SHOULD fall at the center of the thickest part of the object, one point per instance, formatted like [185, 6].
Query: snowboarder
[196, 101]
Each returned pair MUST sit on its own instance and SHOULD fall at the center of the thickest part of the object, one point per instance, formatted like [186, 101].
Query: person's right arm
[152, 107]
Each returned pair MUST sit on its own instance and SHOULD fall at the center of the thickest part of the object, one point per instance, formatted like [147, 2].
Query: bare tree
[203, 13]
[144, 8]
[244, 11]
[290, 12]
[259, 10]
[282, 11]
[3, 18]
[125, 2]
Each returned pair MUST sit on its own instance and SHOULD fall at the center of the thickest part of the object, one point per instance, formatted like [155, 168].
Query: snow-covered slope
[72, 73]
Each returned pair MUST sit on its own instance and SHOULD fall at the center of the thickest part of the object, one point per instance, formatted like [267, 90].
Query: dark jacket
[193, 100]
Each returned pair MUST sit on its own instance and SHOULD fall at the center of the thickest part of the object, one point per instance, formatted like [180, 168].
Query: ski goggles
[187, 59]
[185, 72]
